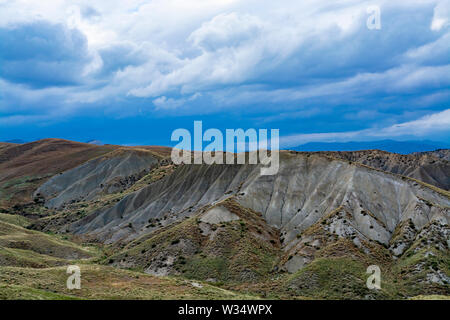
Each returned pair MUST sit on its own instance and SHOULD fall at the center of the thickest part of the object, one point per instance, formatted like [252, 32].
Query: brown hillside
[4, 145]
[159, 150]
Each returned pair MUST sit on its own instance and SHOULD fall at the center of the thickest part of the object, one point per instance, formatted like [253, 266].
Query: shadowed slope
[110, 173]
[24, 167]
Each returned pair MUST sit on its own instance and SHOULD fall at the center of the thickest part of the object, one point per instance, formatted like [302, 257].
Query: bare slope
[110, 173]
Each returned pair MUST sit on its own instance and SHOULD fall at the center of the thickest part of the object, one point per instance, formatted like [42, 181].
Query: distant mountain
[401, 147]
[96, 142]
[17, 141]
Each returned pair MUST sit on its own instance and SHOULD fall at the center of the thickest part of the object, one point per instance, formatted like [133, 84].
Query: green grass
[18, 292]
[412, 268]
[27, 258]
[102, 282]
[31, 269]
[430, 297]
[203, 267]
[15, 219]
[27, 248]
[334, 278]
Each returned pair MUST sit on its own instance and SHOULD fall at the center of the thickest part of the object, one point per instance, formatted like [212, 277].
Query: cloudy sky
[131, 72]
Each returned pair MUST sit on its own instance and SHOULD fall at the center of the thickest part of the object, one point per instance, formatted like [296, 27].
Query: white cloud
[441, 16]
[245, 52]
[431, 123]
[226, 30]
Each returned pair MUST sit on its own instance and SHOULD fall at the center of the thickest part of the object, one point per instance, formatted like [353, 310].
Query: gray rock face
[179, 195]
[295, 263]
[306, 188]
[218, 215]
[109, 173]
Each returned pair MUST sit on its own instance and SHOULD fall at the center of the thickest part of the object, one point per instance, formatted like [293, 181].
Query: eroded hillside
[311, 230]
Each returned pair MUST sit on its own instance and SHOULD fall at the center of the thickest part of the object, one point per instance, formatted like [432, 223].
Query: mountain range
[223, 231]
[401, 147]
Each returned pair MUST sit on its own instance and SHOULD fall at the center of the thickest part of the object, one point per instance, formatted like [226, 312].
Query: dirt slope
[4, 145]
